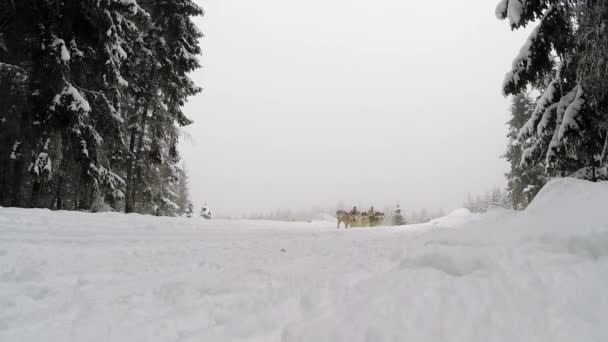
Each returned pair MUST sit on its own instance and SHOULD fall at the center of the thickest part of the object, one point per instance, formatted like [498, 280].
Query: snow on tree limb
[528, 155]
[569, 120]
[554, 144]
[520, 12]
[521, 61]
[514, 11]
[15, 151]
[64, 53]
[548, 115]
[548, 97]
[132, 4]
[77, 103]
[534, 51]
[501, 9]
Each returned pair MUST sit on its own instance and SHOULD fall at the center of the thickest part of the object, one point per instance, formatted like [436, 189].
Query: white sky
[370, 102]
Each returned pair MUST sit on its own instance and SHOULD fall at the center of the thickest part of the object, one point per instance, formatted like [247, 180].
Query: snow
[537, 275]
[78, 101]
[132, 3]
[171, 204]
[43, 164]
[527, 155]
[75, 49]
[545, 102]
[549, 114]
[14, 150]
[518, 66]
[118, 194]
[501, 9]
[523, 60]
[171, 193]
[123, 83]
[63, 50]
[187, 55]
[515, 11]
[458, 216]
[563, 105]
[569, 119]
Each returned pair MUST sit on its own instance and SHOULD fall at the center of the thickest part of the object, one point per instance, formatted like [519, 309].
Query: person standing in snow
[205, 212]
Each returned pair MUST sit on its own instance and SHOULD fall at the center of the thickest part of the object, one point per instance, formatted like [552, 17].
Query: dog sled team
[356, 218]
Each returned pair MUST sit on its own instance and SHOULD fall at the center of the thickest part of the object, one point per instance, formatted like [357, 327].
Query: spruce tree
[398, 219]
[160, 92]
[524, 181]
[565, 59]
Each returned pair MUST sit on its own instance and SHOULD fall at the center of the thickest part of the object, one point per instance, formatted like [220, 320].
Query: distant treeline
[393, 215]
[496, 198]
[90, 103]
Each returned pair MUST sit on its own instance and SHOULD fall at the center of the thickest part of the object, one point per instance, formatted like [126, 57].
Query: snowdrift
[453, 219]
[573, 200]
[537, 275]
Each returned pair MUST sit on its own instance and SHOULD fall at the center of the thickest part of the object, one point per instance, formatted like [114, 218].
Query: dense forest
[91, 93]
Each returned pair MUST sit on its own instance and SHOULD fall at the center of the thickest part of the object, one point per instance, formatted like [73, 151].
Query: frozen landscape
[124, 163]
[537, 275]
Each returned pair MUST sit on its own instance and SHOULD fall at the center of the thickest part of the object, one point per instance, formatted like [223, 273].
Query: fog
[308, 103]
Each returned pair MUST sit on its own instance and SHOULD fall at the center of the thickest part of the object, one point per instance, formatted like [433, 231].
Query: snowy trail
[501, 276]
[191, 279]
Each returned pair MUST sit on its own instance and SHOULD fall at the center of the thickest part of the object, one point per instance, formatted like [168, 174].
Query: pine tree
[477, 205]
[397, 217]
[172, 39]
[524, 181]
[495, 198]
[565, 59]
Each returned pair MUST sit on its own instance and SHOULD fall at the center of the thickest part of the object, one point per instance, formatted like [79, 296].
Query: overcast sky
[307, 103]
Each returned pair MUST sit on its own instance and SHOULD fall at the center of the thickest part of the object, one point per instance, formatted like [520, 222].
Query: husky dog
[344, 217]
[376, 219]
[360, 220]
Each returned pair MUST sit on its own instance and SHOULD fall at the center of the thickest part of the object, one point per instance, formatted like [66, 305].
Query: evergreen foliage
[92, 93]
[189, 210]
[566, 59]
[524, 181]
[397, 217]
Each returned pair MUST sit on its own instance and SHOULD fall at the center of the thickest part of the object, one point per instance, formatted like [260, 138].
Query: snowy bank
[538, 275]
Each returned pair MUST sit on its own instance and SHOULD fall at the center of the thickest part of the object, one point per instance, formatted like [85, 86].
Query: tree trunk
[129, 203]
[77, 193]
[57, 200]
[138, 155]
[17, 183]
[35, 194]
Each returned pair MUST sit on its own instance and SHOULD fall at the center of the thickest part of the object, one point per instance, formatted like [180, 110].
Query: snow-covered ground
[540, 275]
